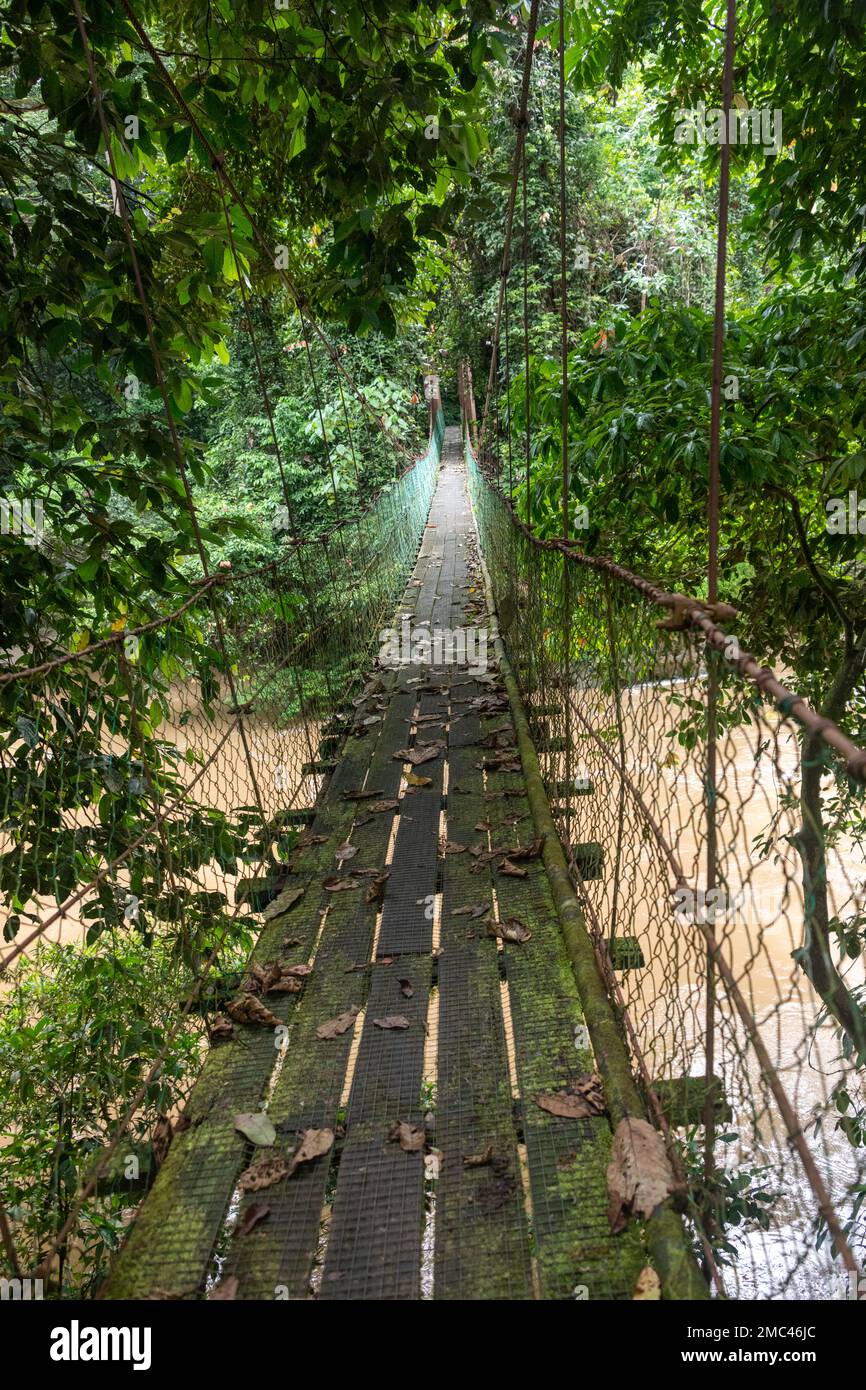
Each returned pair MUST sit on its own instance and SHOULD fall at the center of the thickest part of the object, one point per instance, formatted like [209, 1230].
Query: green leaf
[177, 144]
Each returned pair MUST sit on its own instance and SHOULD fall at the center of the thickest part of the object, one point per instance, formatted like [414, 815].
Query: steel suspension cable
[508, 399]
[528, 402]
[711, 790]
[520, 122]
[563, 274]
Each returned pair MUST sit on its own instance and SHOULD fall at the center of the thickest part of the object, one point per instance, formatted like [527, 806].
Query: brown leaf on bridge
[378, 806]
[417, 756]
[252, 1216]
[346, 852]
[392, 1021]
[406, 988]
[585, 1097]
[473, 910]
[314, 1143]
[526, 851]
[376, 890]
[263, 1173]
[287, 984]
[479, 1160]
[409, 1137]
[362, 795]
[511, 870]
[256, 1127]
[250, 1009]
[512, 930]
[263, 977]
[451, 847]
[415, 781]
[639, 1176]
[335, 1026]
[335, 884]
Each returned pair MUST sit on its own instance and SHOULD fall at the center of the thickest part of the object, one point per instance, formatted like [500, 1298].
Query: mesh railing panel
[670, 853]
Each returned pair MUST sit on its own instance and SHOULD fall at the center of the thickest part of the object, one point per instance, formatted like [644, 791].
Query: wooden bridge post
[467, 402]
[433, 397]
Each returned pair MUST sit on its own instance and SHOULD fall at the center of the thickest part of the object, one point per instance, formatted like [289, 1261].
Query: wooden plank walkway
[505, 1200]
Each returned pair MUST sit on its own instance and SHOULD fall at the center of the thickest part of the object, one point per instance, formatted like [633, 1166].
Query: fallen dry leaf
[256, 1127]
[346, 852]
[376, 889]
[406, 988]
[511, 870]
[262, 977]
[298, 971]
[283, 901]
[512, 929]
[479, 1160]
[648, 1287]
[417, 756]
[415, 780]
[383, 806]
[361, 795]
[221, 1027]
[527, 851]
[335, 884]
[307, 840]
[313, 1144]
[410, 1139]
[263, 1173]
[571, 1106]
[639, 1176]
[451, 847]
[335, 1026]
[247, 1008]
[474, 910]
[392, 1021]
[252, 1216]
[287, 984]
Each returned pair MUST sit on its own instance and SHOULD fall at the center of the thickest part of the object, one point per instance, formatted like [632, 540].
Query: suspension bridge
[527, 1015]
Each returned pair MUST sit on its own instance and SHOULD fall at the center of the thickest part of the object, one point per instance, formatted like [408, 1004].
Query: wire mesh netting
[717, 848]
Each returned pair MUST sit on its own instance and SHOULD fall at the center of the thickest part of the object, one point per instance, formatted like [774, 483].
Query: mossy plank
[567, 1158]
[276, 1258]
[481, 1230]
[174, 1233]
